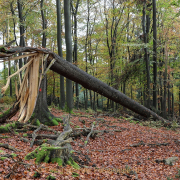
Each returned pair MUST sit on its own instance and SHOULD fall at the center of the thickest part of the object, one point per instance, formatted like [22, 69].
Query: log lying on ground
[73, 73]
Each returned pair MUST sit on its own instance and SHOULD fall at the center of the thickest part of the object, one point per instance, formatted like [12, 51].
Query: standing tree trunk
[21, 26]
[165, 83]
[75, 49]
[44, 25]
[67, 19]
[145, 24]
[59, 42]
[154, 55]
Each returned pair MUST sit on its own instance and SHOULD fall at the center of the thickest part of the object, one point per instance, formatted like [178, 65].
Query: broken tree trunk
[70, 71]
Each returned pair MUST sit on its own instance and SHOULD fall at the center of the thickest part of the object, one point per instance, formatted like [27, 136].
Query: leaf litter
[130, 153]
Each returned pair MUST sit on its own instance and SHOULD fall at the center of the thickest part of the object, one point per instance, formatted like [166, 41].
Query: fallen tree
[72, 72]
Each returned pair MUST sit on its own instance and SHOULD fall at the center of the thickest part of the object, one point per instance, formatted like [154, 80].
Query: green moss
[4, 129]
[51, 177]
[52, 122]
[73, 163]
[46, 159]
[32, 116]
[58, 120]
[14, 155]
[1, 151]
[37, 122]
[4, 137]
[55, 123]
[25, 135]
[57, 160]
[45, 140]
[36, 174]
[74, 174]
[42, 154]
[3, 158]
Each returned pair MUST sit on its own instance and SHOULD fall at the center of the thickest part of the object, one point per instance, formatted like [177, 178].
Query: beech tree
[68, 39]
[59, 43]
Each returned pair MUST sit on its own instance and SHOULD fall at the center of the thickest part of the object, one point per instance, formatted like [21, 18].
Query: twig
[34, 135]
[92, 127]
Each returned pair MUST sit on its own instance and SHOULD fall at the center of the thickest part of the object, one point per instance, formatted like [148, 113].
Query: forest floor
[127, 150]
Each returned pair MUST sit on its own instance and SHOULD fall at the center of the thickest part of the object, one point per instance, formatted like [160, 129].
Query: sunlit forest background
[132, 46]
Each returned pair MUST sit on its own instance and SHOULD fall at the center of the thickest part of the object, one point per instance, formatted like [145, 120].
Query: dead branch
[7, 146]
[89, 134]
[150, 144]
[34, 135]
[66, 132]
[44, 128]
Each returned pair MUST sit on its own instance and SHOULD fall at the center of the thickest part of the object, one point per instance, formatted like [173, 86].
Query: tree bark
[67, 19]
[75, 48]
[154, 55]
[44, 25]
[59, 42]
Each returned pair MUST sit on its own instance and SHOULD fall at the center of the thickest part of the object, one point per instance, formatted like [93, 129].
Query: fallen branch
[150, 144]
[89, 134]
[44, 136]
[44, 128]
[7, 146]
[66, 132]
[34, 135]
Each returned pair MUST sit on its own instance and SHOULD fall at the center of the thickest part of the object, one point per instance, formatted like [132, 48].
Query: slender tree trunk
[172, 110]
[67, 18]
[179, 100]
[146, 22]
[75, 49]
[91, 103]
[22, 31]
[169, 97]
[154, 55]
[9, 73]
[59, 42]
[165, 83]
[44, 24]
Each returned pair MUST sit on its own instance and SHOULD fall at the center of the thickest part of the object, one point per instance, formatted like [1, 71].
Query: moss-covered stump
[47, 153]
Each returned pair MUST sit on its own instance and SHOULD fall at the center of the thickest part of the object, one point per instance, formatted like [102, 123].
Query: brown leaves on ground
[112, 153]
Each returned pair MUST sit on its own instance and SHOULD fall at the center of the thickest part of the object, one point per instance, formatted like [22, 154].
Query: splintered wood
[29, 87]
